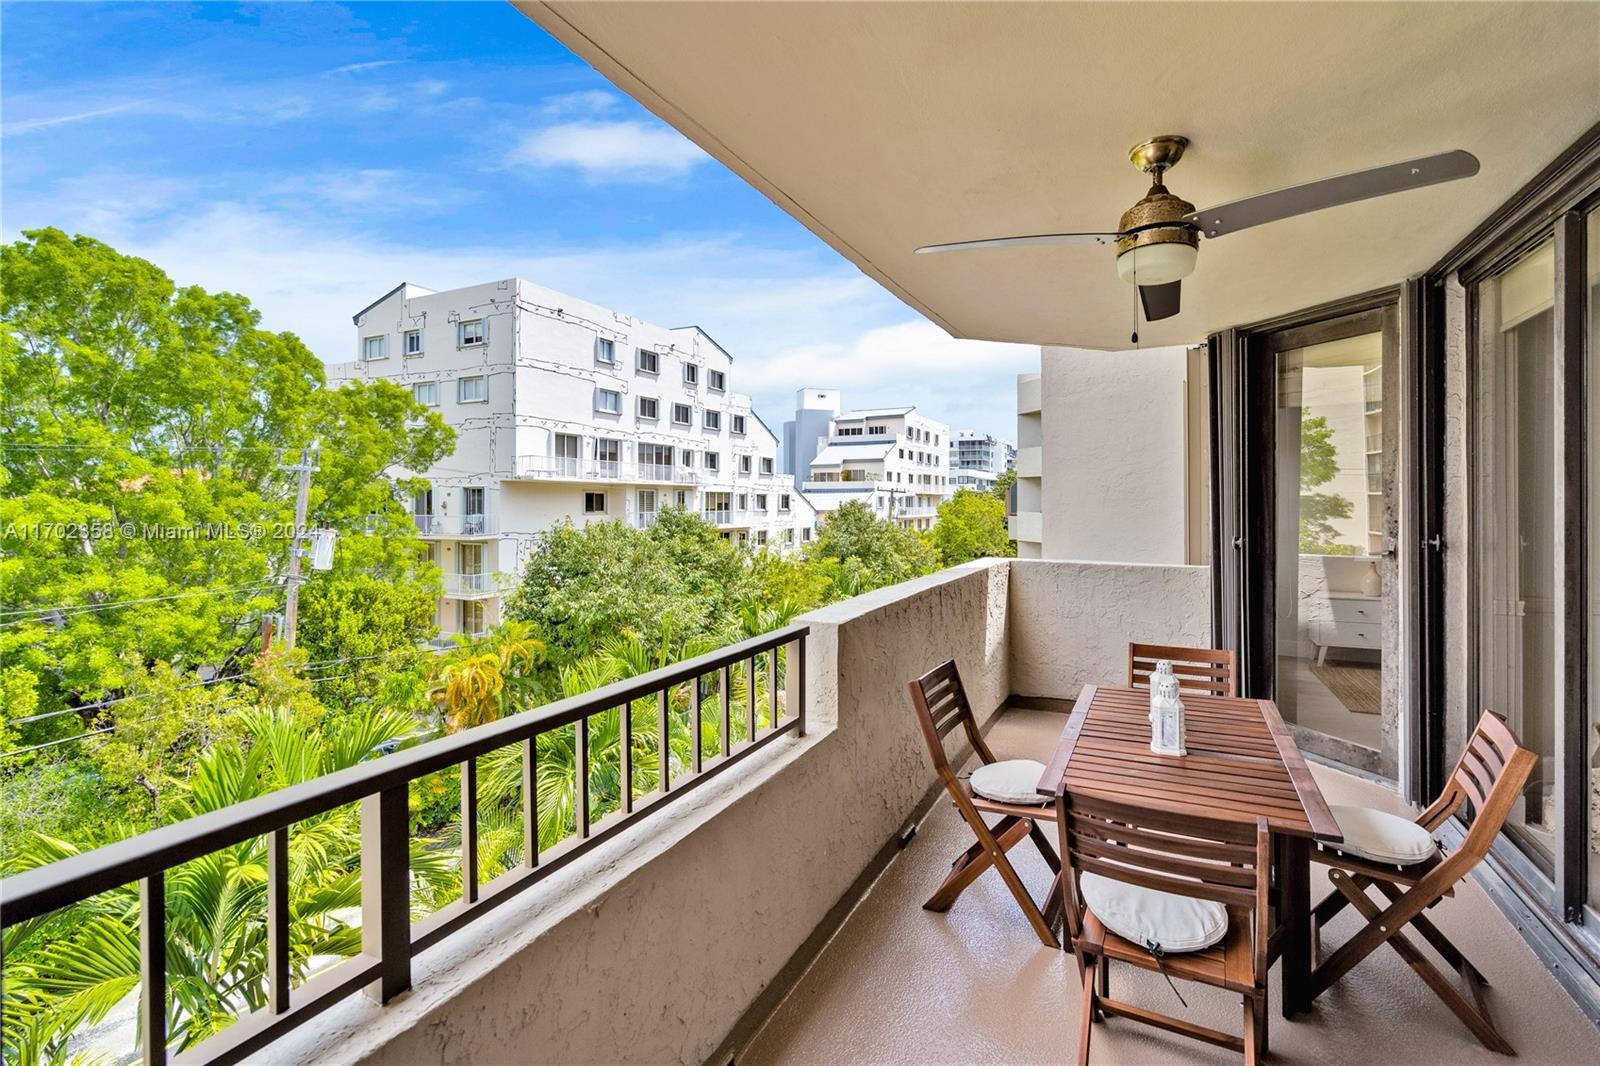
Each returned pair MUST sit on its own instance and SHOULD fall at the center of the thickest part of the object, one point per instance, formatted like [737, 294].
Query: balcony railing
[645, 519]
[719, 516]
[466, 525]
[389, 939]
[554, 468]
[469, 585]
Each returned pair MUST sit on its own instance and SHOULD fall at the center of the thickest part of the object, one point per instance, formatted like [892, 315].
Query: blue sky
[313, 155]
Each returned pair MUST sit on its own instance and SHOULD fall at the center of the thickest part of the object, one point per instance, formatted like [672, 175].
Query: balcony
[456, 527]
[780, 875]
[553, 468]
[470, 586]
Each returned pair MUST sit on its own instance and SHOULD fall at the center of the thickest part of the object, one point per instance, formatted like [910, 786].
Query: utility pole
[291, 602]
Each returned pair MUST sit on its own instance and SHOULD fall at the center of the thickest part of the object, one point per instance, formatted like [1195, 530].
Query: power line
[68, 609]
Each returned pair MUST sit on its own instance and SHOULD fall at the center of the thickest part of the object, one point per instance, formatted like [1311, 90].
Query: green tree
[859, 552]
[1003, 484]
[133, 408]
[1319, 464]
[971, 525]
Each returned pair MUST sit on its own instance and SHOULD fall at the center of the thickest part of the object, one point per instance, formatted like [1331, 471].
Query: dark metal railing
[389, 939]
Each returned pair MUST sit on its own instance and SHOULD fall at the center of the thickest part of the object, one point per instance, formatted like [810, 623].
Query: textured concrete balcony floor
[900, 984]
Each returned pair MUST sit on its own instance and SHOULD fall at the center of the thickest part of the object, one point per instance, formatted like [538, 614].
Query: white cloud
[357, 68]
[610, 151]
[584, 102]
[29, 125]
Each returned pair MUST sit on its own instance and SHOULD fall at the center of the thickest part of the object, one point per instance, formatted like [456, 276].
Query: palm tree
[68, 970]
[484, 679]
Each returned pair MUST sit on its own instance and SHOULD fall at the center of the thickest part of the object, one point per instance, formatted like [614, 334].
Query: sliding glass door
[1516, 521]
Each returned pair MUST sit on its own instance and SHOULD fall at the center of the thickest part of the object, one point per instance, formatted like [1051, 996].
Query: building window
[474, 389]
[761, 501]
[713, 461]
[426, 393]
[594, 503]
[805, 533]
[737, 424]
[607, 402]
[877, 431]
[783, 501]
[648, 362]
[716, 380]
[713, 420]
[411, 342]
[744, 501]
[688, 456]
[691, 375]
[681, 415]
[766, 467]
[649, 407]
[375, 348]
[683, 497]
[605, 351]
[744, 464]
[470, 332]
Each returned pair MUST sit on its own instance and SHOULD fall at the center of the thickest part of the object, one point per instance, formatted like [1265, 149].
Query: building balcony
[471, 586]
[552, 468]
[456, 527]
[780, 867]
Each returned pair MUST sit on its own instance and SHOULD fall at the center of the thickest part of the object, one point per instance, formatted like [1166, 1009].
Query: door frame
[1244, 497]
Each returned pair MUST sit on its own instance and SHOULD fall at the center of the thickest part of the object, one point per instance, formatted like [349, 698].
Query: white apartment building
[894, 460]
[978, 459]
[565, 409]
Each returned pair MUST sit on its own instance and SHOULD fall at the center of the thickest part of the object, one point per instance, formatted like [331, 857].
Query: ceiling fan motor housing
[1157, 246]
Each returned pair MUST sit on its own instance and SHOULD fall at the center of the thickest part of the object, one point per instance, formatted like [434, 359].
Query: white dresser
[1356, 621]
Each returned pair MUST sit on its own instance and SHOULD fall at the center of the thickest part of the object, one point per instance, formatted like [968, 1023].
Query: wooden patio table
[1241, 764]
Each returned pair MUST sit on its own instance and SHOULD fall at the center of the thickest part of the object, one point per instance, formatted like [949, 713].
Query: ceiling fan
[1158, 238]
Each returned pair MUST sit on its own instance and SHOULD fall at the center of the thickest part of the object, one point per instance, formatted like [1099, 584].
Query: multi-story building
[894, 460]
[978, 459]
[803, 435]
[565, 409]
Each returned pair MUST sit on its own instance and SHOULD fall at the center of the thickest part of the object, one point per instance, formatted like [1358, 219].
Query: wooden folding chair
[1226, 862]
[1490, 775]
[1202, 671]
[941, 705]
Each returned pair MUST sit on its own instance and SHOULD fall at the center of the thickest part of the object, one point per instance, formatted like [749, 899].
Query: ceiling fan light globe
[1157, 264]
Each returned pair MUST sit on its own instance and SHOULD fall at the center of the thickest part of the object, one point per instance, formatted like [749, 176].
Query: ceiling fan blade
[1037, 238]
[1160, 301]
[1331, 192]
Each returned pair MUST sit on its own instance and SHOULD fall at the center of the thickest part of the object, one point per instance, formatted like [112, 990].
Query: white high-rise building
[978, 459]
[565, 409]
[894, 460]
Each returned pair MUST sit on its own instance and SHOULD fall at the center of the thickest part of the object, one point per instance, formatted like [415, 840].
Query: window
[648, 362]
[713, 420]
[681, 415]
[649, 407]
[655, 460]
[605, 351]
[783, 501]
[426, 393]
[566, 454]
[691, 374]
[716, 379]
[411, 342]
[688, 456]
[805, 533]
[766, 467]
[713, 461]
[474, 389]
[594, 503]
[647, 501]
[877, 431]
[375, 348]
[607, 402]
[473, 618]
[761, 536]
[683, 497]
[470, 332]
[744, 464]
[744, 501]
[737, 424]
[608, 456]
[761, 501]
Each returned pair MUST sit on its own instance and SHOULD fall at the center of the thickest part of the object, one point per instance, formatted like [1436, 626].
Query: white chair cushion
[1382, 837]
[1009, 781]
[1148, 916]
